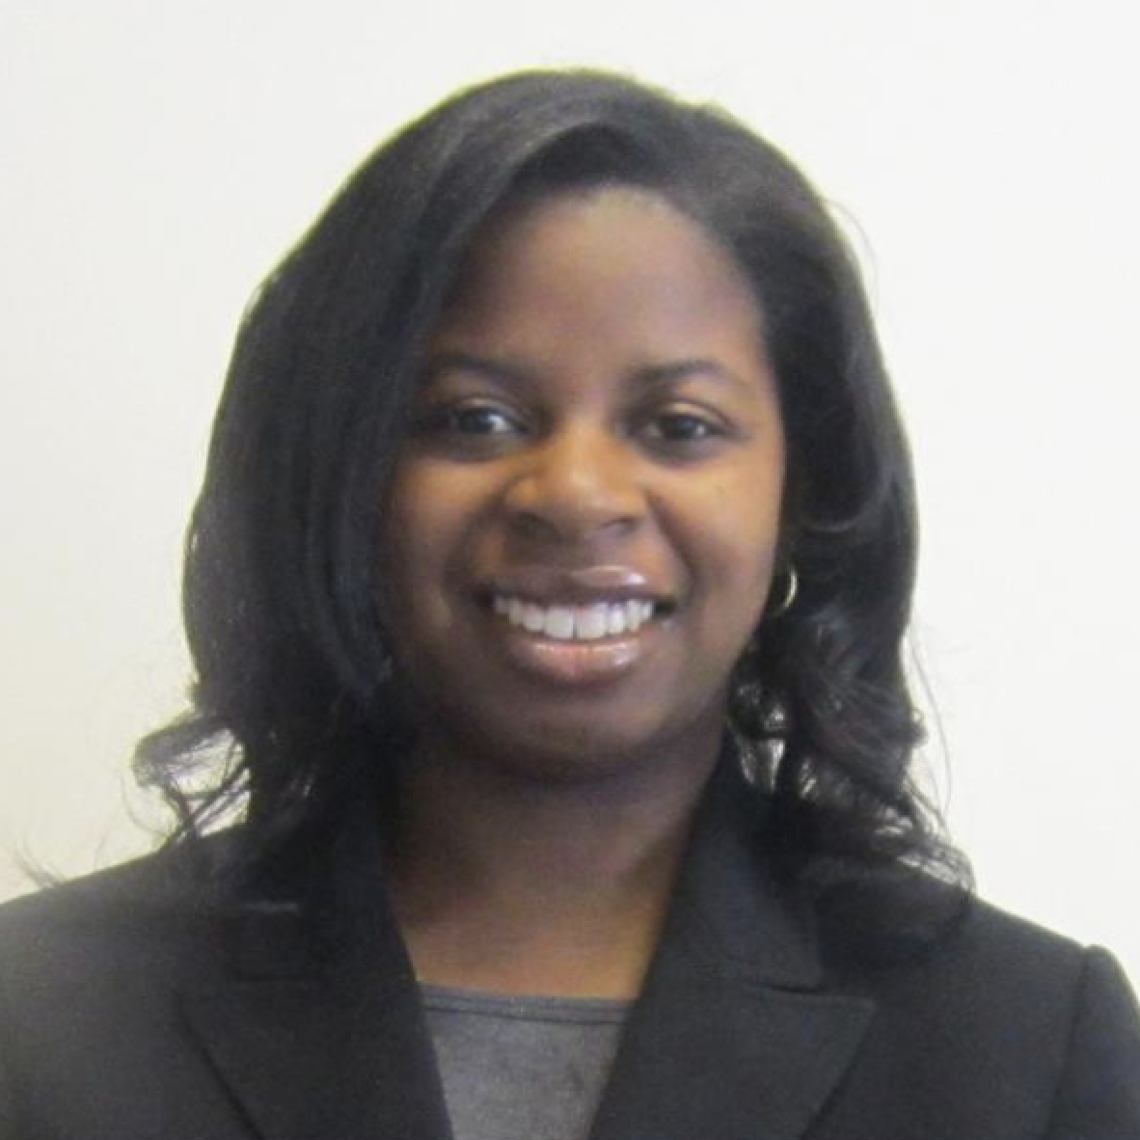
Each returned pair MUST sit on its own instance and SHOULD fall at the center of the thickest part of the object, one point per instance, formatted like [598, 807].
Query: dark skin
[539, 889]
[598, 436]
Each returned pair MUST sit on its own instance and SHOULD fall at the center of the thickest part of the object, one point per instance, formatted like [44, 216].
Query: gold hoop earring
[790, 591]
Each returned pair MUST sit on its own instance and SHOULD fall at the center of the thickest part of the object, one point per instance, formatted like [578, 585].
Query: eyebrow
[513, 373]
[676, 370]
[503, 371]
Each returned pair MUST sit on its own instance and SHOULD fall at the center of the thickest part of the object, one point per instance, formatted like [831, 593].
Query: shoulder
[990, 940]
[152, 912]
[989, 962]
[999, 958]
[997, 1020]
[991, 981]
[94, 978]
[1076, 997]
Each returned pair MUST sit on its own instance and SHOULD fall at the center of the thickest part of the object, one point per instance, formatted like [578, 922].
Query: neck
[529, 886]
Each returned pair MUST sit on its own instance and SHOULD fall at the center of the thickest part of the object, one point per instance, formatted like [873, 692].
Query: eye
[682, 427]
[469, 420]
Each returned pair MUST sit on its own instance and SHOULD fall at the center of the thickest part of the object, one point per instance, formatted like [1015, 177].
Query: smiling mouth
[578, 643]
[568, 622]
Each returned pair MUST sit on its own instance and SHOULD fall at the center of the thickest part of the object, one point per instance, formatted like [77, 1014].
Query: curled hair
[293, 704]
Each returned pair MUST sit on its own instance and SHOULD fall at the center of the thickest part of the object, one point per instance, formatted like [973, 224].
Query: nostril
[530, 524]
[569, 526]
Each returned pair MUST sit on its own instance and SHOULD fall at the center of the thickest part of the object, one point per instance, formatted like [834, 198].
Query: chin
[574, 751]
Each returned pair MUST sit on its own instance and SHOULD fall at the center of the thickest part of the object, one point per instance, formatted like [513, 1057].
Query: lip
[575, 663]
[574, 585]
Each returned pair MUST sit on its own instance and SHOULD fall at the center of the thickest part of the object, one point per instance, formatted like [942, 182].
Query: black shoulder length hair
[293, 704]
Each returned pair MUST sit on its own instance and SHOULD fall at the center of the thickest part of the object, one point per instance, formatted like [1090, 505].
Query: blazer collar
[733, 1037]
[319, 1031]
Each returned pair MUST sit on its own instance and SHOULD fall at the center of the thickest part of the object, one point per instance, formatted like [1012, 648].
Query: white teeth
[559, 623]
[632, 616]
[636, 614]
[575, 623]
[615, 619]
[590, 622]
[533, 618]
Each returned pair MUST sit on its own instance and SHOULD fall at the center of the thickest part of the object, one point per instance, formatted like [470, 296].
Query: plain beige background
[159, 157]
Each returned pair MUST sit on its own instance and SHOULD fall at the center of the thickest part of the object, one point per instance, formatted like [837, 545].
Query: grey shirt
[522, 1068]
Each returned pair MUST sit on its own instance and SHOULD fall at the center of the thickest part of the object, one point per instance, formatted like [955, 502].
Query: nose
[579, 484]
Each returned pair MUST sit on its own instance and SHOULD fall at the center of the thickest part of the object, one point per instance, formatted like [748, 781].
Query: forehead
[591, 258]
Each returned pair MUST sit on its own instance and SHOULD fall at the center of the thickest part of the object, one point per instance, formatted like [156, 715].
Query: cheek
[426, 506]
[434, 510]
[413, 546]
[738, 542]
[745, 563]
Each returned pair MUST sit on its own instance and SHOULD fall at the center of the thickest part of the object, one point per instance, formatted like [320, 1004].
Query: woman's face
[582, 527]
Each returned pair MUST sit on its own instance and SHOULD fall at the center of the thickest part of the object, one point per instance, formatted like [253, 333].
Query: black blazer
[132, 1007]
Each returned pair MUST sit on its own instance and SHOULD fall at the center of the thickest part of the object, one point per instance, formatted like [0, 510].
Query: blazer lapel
[319, 1033]
[732, 1038]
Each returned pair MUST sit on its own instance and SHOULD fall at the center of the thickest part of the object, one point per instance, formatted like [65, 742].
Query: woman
[546, 595]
